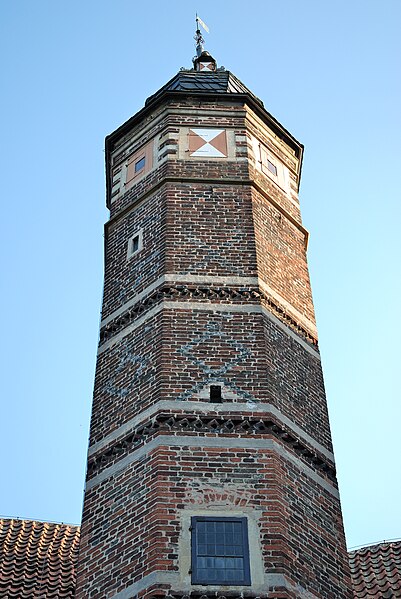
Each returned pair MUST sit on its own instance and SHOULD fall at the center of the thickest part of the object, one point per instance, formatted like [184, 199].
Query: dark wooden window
[215, 394]
[220, 551]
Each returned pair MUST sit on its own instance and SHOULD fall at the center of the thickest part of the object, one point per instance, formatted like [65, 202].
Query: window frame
[139, 170]
[265, 157]
[130, 251]
[195, 577]
[144, 153]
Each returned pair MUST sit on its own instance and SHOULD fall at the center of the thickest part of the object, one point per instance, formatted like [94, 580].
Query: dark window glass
[135, 244]
[215, 394]
[272, 168]
[220, 552]
[140, 165]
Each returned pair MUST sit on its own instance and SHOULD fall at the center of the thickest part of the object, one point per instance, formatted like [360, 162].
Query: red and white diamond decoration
[211, 143]
[206, 66]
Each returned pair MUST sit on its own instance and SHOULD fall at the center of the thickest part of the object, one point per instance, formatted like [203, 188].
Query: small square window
[272, 167]
[140, 164]
[134, 244]
[220, 551]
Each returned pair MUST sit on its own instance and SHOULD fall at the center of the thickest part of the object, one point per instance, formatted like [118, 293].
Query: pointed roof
[208, 85]
[217, 82]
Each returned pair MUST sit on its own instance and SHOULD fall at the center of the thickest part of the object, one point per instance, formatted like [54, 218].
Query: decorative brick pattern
[198, 293]
[160, 449]
[197, 351]
[246, 352]
[230, 425]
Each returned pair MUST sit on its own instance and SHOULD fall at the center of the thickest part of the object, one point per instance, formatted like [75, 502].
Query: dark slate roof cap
[218, 82]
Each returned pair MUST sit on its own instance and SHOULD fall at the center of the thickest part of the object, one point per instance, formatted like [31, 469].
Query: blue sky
[74, 71]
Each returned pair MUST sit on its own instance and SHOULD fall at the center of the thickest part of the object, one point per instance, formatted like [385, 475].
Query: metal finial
[198, 35]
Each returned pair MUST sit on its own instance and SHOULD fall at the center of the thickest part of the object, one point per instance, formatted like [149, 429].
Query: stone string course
[275, 592]
[229, 425]
[216, 595]
[207, 294]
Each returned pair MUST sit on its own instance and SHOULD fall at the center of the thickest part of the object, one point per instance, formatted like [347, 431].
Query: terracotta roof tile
[376, 571]
[37, 559]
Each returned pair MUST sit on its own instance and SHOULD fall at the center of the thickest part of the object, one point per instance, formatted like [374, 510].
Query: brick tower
[210, 465]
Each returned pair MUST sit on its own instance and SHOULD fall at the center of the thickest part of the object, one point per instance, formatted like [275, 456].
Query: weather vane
[198, 35]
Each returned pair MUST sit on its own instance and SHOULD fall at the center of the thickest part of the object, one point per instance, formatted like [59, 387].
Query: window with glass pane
[220, 552]
[272, 167]
[140, 164]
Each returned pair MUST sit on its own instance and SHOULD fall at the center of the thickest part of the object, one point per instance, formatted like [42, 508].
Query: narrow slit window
[215, 394]
[135, 244]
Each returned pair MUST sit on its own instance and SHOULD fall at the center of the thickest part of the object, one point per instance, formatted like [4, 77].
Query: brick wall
[281, 256]
[218, 294]
[140, 531]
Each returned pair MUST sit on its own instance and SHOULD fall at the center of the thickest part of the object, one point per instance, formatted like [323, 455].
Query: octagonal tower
[210, 464]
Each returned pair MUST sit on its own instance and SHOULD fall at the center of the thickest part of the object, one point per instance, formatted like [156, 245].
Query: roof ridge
[374, 544]
[21, 519]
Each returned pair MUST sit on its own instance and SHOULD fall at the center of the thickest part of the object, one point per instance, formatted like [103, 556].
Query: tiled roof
[37, 559]
[220, 82]
[376, 571]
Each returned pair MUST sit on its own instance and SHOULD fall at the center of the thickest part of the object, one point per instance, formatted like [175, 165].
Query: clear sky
[72, 71]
